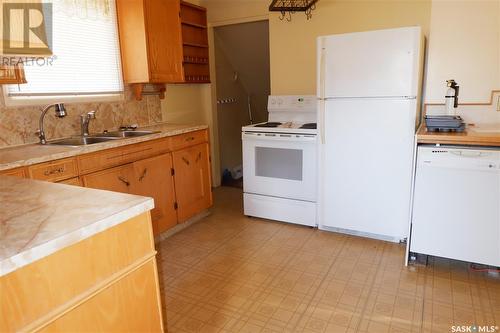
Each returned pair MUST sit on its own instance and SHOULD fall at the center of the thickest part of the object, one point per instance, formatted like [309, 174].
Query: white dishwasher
[456, 204]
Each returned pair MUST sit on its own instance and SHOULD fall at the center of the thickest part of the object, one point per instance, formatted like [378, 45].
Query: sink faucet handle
[91, 114]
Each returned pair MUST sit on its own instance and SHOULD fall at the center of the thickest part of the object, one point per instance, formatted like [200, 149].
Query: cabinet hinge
[172, 171]
[176, 205]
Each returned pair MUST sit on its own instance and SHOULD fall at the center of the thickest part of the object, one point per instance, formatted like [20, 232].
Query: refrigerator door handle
[321, 93]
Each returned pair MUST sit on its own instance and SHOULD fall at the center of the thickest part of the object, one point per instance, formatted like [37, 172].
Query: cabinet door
[153, 178]
[192, 180]
[164, 36]
[117, 179]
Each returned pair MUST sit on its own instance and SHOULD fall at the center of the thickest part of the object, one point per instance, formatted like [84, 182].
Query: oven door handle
[278, 137]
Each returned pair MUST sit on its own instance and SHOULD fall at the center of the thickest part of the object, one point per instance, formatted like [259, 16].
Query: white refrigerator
[369, 86]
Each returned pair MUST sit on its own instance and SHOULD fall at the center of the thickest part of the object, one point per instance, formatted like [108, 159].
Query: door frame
[211, 115]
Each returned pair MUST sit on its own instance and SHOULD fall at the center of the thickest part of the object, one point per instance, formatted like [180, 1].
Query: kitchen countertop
[480, 135]
[40, 218]
[18, 156]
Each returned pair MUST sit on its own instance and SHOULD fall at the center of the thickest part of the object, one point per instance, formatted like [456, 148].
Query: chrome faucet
[85, 121]
[60, 113]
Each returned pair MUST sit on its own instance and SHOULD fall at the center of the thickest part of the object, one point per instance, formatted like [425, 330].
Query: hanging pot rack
[289, 7]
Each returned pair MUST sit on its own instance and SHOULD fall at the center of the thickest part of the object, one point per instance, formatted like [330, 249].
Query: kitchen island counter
[67, 253]
[39, 218]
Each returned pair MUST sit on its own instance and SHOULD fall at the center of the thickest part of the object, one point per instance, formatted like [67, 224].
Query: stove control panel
[291, 103]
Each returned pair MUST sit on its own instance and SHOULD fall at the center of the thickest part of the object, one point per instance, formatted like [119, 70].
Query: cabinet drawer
[18, 172]
[54, 171]
[188, 139]
[144, 150]
[122, 155]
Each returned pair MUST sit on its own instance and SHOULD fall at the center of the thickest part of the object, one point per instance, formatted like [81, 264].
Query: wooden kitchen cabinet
[174, 171]
[162, 42]
[150, 41]
[153, 178]
[118, 179]
[192, 180]
[105, 283]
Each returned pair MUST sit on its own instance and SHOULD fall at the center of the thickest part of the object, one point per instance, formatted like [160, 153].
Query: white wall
[464, 45]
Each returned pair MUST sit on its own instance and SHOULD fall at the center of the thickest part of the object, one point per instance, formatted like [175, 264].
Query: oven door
[280, 165]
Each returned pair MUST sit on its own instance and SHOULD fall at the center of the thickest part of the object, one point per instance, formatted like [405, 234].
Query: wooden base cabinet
[105, 283]
[174, 171]
[116, 179]
[151, 177]
[192, 180]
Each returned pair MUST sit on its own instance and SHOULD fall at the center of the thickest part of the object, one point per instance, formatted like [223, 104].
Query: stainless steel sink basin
[81, 141]
[123, 134]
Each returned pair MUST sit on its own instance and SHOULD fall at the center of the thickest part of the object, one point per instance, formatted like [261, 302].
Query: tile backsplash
[18, 125]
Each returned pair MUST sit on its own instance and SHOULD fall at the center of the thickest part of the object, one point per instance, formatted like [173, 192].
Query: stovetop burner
[269, 124]
[309, 126]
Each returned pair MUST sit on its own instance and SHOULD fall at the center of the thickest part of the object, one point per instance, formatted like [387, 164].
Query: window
[86, 55]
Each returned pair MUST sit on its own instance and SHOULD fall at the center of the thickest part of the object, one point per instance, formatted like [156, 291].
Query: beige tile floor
[230, 273]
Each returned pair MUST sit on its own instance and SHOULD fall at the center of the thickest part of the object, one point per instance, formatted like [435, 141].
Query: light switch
[498, 103]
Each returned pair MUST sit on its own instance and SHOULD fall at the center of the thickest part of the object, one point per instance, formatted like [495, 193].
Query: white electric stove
[280, 162]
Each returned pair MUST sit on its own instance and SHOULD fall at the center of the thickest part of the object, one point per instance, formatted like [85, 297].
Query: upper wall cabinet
[150, 40]
[157, 47]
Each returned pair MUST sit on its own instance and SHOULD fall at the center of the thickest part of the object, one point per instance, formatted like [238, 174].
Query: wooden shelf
[193, 24]
[195, 45]
[205, 62]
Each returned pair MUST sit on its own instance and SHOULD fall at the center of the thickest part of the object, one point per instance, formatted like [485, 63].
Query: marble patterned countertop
[18, 156]
[39, 218]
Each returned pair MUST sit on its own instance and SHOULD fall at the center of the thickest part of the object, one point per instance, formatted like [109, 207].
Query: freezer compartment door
[370, 64]
[457, 204]
[366, 165]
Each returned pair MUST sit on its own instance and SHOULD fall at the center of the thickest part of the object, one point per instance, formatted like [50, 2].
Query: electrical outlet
[498, 103]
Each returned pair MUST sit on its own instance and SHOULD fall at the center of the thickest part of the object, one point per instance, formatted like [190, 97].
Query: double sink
[102, 137]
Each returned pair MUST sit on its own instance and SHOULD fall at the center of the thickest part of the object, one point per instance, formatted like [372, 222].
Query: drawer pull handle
[123, 180]
[198, 157]
[143, 174]
[185, 160]
[191, 138]
[54, 171]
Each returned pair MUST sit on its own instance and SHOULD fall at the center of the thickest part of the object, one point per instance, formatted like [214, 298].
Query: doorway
[243, 85]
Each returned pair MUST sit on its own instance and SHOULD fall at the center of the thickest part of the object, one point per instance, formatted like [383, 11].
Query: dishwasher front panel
[456, 212]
